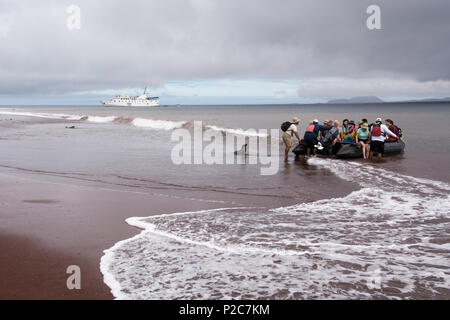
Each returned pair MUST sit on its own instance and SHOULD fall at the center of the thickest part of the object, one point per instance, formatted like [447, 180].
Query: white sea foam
[392, 232]
[157, 124]
[138, 122]
[98, 119]
[60, 116]
[248, 133]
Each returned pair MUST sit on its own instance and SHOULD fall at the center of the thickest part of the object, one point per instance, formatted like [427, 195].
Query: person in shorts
[362, 138]
[378, 133]
[288, 134]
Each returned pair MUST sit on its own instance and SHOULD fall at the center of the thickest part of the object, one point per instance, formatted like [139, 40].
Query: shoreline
[46, 227]
[49, 222]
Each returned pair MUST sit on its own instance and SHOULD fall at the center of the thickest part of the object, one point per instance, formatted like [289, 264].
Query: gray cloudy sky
[290, 50]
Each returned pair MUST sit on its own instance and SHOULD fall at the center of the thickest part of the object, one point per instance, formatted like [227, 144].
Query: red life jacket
[310, 128]
[376, 130]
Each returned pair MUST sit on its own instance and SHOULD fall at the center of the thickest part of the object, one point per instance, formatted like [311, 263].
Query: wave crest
[394, 233]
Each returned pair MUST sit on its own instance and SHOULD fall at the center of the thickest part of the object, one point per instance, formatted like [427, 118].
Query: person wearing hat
[311, 135]
[287, 136]
[378, 133]
[362, 138]
[323, 133]
[332, 140]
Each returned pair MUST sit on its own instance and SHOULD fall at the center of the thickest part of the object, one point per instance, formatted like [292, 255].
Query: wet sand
[65, 195]
[47, 226]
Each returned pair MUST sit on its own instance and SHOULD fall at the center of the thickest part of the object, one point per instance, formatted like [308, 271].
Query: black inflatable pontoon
[348, 151]
[300, 149]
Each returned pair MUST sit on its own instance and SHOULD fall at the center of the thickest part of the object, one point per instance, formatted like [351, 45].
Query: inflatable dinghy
[349, 151]
[300, 149]
[354, 150]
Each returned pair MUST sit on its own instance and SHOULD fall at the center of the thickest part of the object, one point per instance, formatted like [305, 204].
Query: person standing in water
[378, 133]
[311, 135]
[362, 138]
[287, 136]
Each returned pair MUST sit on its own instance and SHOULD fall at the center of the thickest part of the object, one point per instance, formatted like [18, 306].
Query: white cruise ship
[126, 101]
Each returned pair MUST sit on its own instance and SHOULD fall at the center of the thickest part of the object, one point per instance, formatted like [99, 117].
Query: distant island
[446, 99]
[368, 99]
[374, 99]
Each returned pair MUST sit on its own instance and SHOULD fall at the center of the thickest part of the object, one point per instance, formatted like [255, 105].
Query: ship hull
[128, 101]
[131, 104]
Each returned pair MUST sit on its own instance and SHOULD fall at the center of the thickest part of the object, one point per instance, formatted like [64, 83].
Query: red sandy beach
[46, 227]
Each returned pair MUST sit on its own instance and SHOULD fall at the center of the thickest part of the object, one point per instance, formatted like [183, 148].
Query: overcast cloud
[323, 43]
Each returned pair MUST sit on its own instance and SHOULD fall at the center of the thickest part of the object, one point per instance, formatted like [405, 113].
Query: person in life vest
[311, 135]
[289, 129]
[362, 138]
[393, 128]
[347, 131]
[378, 133]
[352, 131]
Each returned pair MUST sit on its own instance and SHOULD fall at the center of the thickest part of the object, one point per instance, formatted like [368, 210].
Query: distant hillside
[447, 99]
[370, 99]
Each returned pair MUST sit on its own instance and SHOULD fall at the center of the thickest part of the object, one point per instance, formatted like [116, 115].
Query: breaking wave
[56, 116]
[388, 240]
[98, 119]
[157, 124]
[137, 122]
[248, 133]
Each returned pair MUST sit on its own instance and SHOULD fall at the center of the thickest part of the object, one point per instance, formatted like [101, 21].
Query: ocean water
[369, 244]
[318, 228]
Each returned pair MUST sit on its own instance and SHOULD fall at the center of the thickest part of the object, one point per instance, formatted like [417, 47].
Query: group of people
[371, 137]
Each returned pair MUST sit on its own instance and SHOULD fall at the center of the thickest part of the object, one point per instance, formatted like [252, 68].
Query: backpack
[285, 126]
[376, 130]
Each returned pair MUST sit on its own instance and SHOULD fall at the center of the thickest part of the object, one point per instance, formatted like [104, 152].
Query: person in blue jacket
[311, 134]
